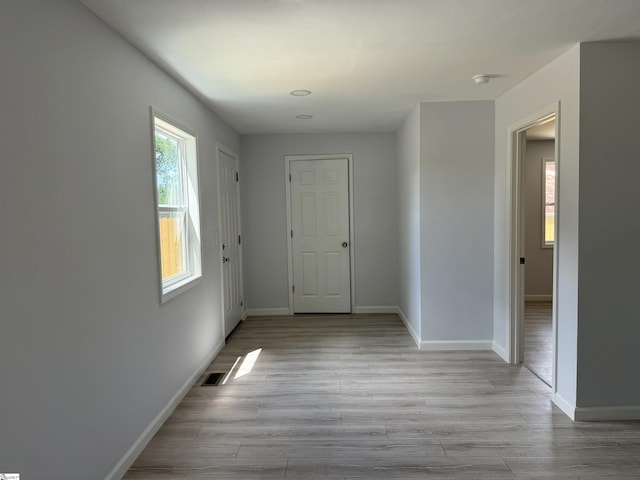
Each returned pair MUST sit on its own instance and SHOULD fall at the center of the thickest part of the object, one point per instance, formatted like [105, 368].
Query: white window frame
[191, 244]
[545, 162]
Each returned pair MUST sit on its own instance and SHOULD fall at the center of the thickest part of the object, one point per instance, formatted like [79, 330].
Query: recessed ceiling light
[482, 78]
[300, 93]
[304, 117]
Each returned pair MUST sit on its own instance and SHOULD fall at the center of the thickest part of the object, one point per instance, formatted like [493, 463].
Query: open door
[539, 198]
[522, 325]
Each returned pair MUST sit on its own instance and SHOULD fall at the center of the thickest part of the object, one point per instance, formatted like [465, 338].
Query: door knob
[225, 259]
[345, 244]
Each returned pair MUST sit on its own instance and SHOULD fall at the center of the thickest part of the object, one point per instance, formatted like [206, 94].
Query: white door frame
[516, 146]
[287, 172]
[243, 313]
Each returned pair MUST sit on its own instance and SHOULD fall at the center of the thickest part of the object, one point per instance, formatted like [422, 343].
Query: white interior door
[228, 188]
[320, 240]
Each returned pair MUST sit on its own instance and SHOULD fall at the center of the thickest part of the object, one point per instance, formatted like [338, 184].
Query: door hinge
[237, 177]
[241, 302]
[291, 233]
[239, 239]
[289, 177]
[293, 289]
[521, 260]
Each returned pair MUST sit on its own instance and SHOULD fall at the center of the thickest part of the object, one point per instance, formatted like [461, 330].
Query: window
[549, 201]
[175, 165]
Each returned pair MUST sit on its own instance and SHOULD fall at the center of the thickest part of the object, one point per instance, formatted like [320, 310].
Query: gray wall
[456, 212]
[609, 225]
[409, 291]
[88, 354]
[558, 81]
[539, 266]
[265, 224]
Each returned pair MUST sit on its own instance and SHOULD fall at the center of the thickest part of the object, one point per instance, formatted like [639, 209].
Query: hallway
[345, 397]
[538, 344]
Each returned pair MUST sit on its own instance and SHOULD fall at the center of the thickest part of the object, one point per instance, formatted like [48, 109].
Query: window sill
[177, 288]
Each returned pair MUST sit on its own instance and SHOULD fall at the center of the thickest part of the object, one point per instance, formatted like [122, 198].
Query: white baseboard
[444, 345]
[502, 353]
[602, 414]
[568, 409]
[145, 437]
[412, 332]
[267, 312]
[375, 309]
[538, 298]
[456, 345]
[597, 414]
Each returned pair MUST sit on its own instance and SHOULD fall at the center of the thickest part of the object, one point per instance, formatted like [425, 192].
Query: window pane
[549, 201]
[550, 183]
[549, 216]
[175, 166]
[168, 170]
[172, 228]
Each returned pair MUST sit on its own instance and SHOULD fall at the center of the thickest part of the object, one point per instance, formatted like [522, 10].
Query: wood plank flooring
[350, 397]
[538, 345]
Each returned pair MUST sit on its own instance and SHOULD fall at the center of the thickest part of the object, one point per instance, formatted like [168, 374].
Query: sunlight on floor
[248, 363]
[246, 366]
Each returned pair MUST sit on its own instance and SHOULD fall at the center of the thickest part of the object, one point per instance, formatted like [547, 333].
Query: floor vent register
[213, 379]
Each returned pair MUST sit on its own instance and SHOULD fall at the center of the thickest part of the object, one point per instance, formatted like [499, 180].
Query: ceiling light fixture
[300, 93]
[304, 117]
[482, 78]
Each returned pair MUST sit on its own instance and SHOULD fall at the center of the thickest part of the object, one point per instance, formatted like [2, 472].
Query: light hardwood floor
[538, 347]
[350, 397]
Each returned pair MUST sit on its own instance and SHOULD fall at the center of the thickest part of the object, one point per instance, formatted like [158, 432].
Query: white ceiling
[368, 62]
[544, 131]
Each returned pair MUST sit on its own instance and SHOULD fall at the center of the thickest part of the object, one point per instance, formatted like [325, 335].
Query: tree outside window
[176, 180]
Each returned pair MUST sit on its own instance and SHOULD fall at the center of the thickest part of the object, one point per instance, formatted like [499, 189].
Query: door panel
[332, 214]
[309, 274]
[230, 236]
[320, 236]
[308, 213]
[333, 270]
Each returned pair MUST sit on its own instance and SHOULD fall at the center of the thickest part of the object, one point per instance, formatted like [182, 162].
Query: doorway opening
[533, 252]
